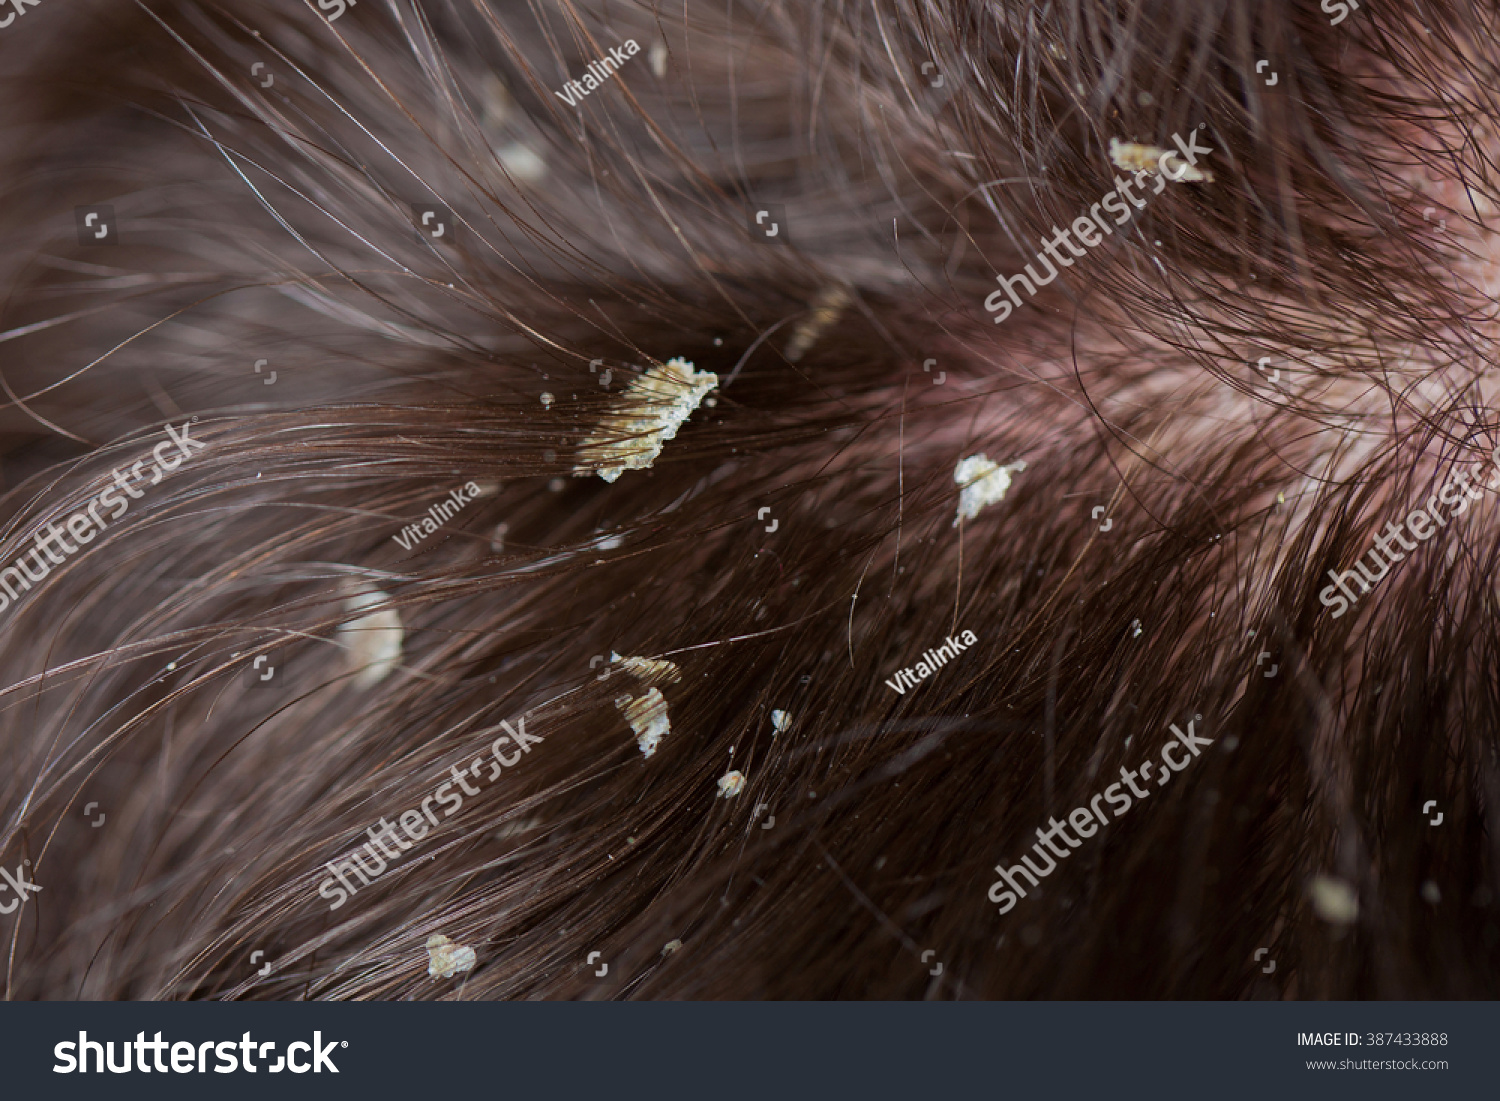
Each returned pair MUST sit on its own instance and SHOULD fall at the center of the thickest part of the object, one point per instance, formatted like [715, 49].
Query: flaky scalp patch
[651, 410]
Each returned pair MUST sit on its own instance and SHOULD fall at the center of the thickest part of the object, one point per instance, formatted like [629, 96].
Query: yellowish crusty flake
[731, 784]
[1147, 158]
[647, 414]
[445, 958]
[826, 309]
[647, 716]
[670, 947]
[649, 670]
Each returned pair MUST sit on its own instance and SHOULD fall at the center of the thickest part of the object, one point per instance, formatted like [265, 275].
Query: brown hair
[794, 545]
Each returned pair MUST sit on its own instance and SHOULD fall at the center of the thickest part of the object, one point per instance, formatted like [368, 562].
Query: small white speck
[781, 720]
[1135, 628]
[670, 947]
[171, 665]
[658, 59]
[522, 162]
[547, 399]
[444, 957]
[731, 784]
[1333, 900]
[557, 485]
[1430, 893]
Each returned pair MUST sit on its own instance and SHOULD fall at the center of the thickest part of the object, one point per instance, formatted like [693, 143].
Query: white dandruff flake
[373, 642]
[445, 958]
[1134, 157]
[781, 720]
[670, 947]
[522, 162]
[648, 414]
[983, 483]
[547, 400]
[648, 670]
[647, 716]
[1333, 900]
[731, 784]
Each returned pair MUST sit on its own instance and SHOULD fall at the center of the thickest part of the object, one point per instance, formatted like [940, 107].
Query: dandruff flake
[445, 958]
[983, 483]
[373, 641]
[1134, 157]
[649, 412]
[648, 719]
[649, 670]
